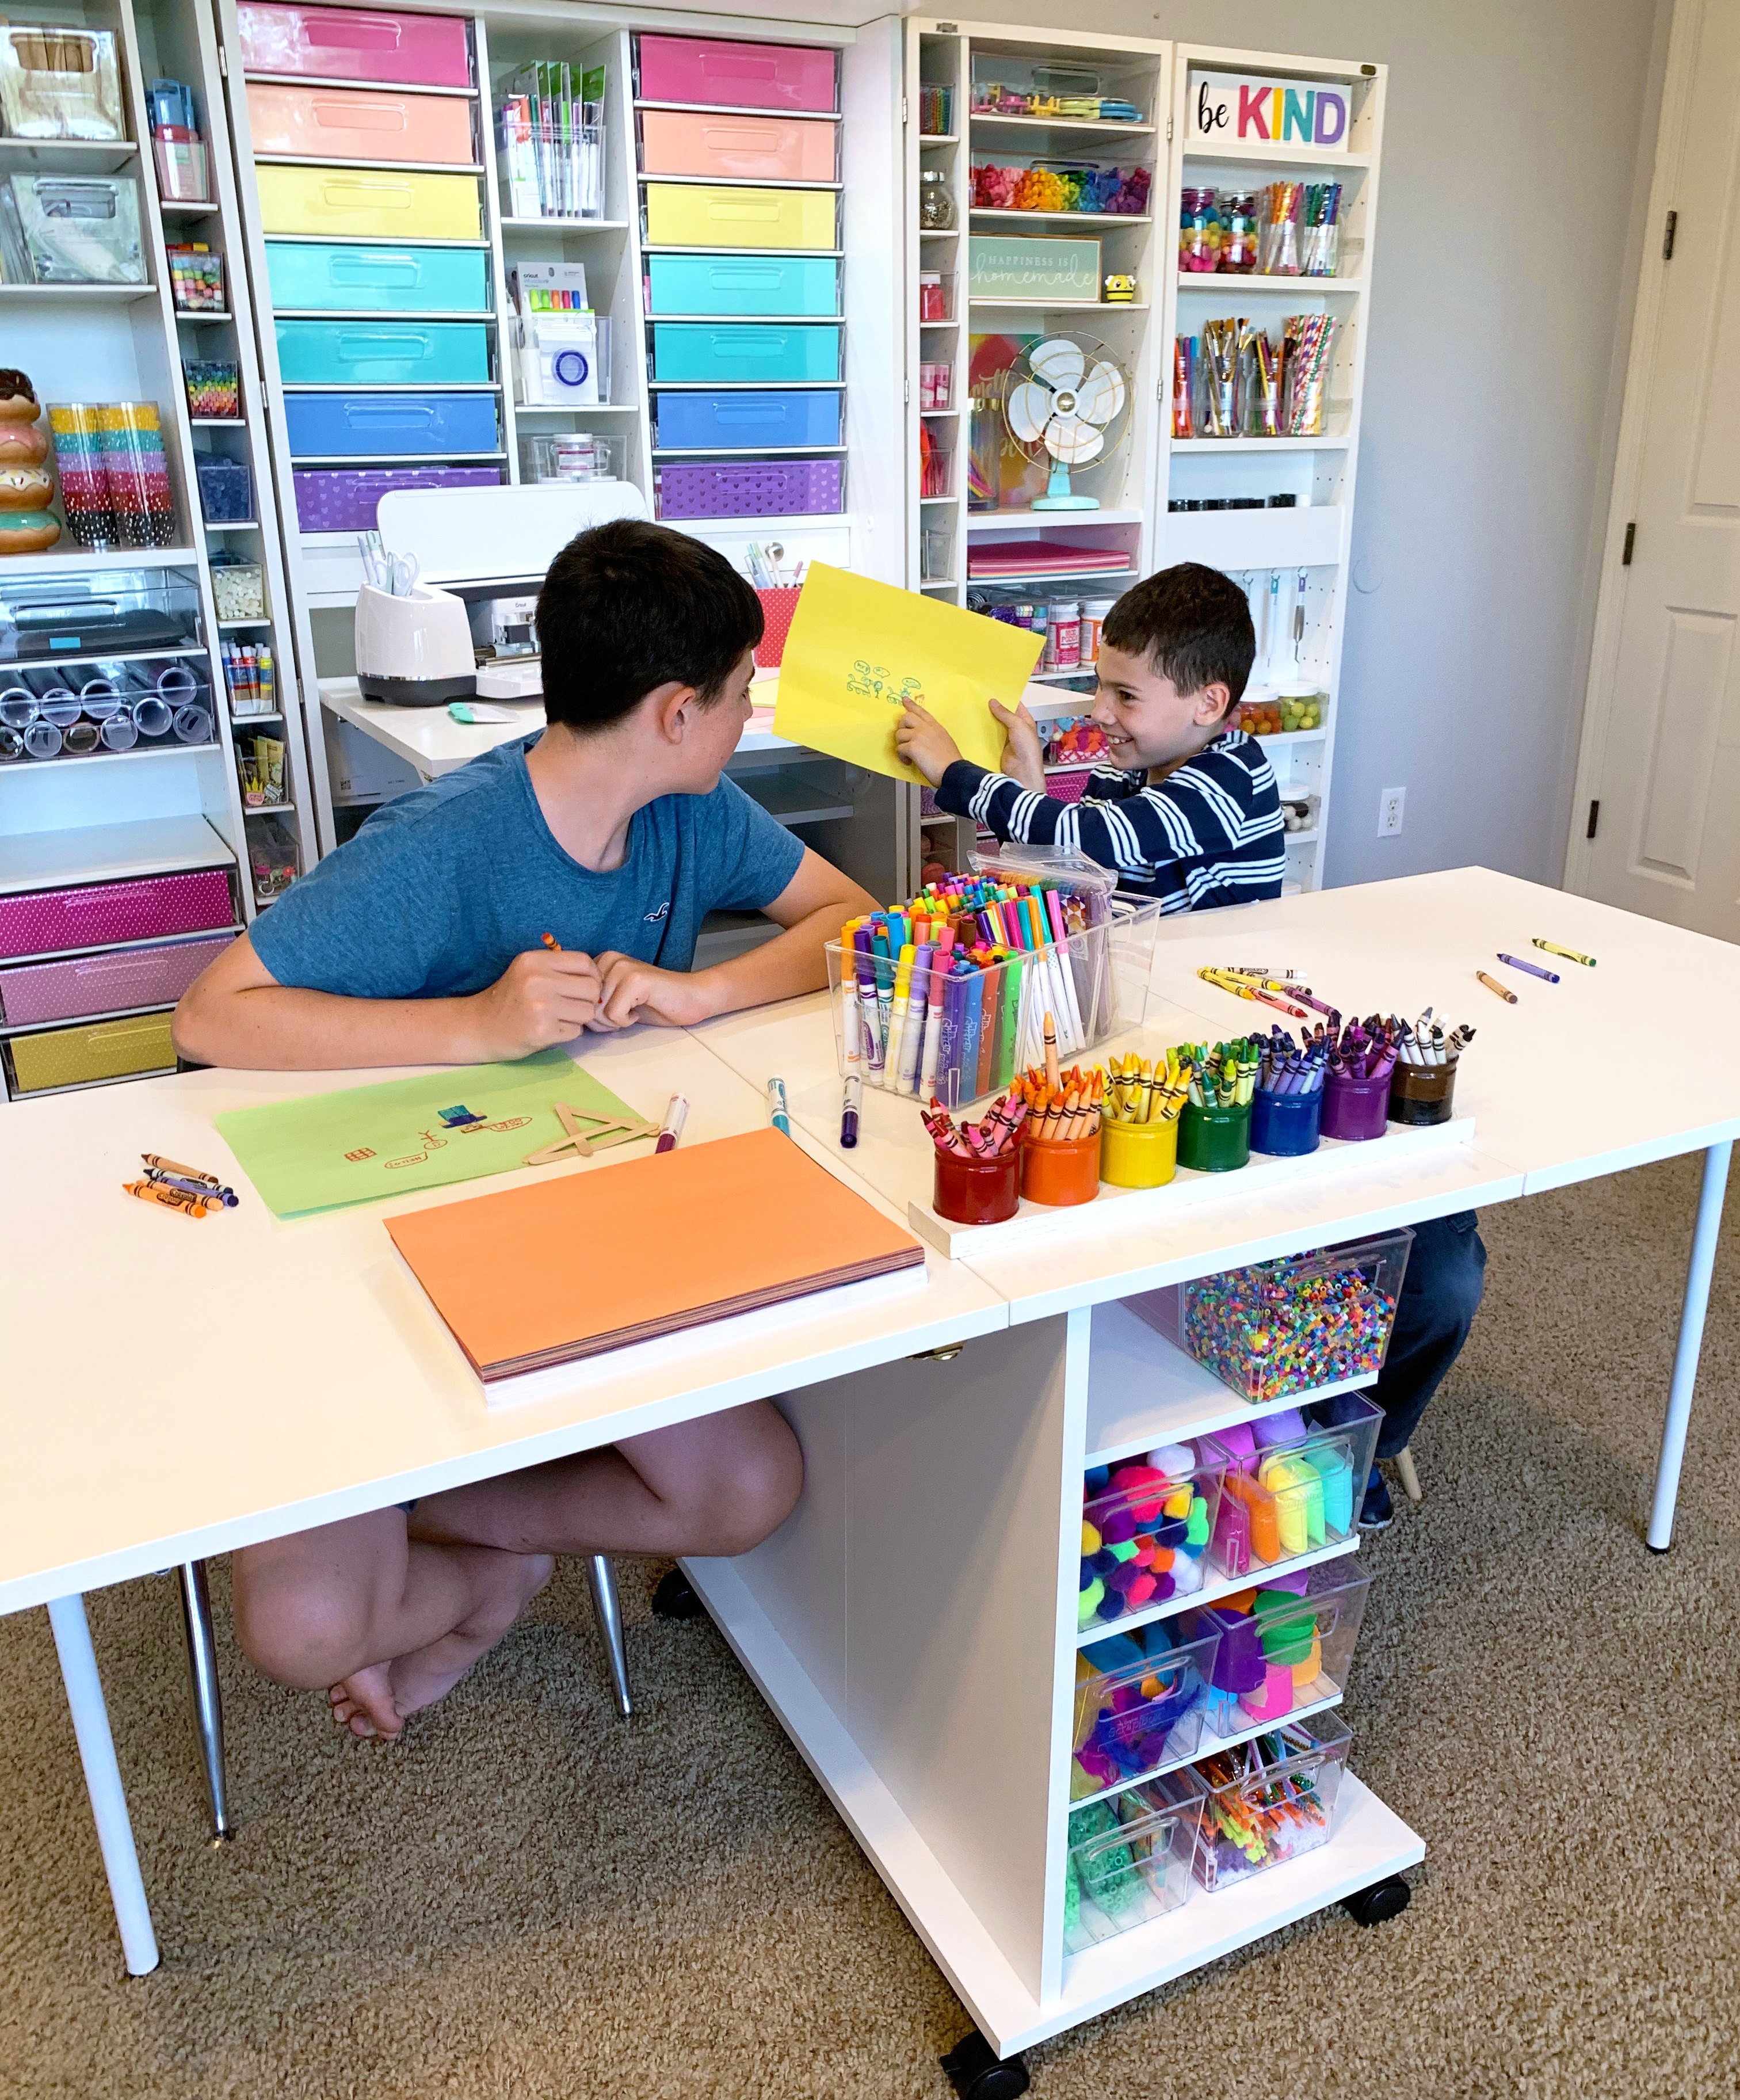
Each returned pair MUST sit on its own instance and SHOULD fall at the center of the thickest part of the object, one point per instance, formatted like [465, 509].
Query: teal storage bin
[383, 353]
[743, 284]
[743, 351]
[345, 277]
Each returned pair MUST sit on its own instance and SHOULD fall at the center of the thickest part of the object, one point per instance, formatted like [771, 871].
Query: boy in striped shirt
[1185, 809]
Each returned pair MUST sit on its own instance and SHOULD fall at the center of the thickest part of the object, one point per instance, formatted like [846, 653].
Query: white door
[1659, 784]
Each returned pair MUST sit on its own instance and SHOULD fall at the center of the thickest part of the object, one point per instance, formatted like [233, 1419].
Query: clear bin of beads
[1130, 1859]
[238, 587]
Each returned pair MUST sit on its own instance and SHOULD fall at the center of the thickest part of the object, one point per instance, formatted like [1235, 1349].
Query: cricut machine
[456, 551]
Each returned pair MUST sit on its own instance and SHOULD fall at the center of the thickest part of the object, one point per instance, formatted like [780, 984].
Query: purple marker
[1534, 969]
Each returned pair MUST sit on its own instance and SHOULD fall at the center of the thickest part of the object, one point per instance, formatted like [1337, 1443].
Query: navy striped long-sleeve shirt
[1210, 834]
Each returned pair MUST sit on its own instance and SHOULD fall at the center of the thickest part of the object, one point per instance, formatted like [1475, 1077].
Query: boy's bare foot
[375, 1701]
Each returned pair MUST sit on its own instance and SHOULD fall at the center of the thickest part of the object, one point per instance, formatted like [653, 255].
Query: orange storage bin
[352, 124]
[681, 141]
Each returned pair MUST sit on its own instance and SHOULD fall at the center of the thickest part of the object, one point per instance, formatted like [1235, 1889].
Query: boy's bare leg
[390, 1623]
[718, 1484]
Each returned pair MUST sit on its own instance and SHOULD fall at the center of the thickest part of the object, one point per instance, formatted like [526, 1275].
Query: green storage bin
[370, 353]
[99, 1050]
[342, 277]
[1215, 1140]
[744, 351]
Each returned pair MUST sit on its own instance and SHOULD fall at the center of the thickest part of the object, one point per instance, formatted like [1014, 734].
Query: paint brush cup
[1422, 1093]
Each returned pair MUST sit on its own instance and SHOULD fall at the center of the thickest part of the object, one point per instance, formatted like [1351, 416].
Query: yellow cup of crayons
[1139, 1138]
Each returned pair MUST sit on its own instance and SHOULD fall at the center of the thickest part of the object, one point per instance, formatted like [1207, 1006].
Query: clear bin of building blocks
[1285, 1643]
[1293, 1324]
[1291, 1482]
[1131, 1859]
[1140, 1699]
[1268, 1800]
[1146, 1526]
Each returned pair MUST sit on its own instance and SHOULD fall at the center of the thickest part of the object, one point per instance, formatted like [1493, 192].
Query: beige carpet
[531, 1899]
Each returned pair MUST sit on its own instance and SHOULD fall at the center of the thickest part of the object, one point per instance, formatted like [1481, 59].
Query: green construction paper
[363, 1143]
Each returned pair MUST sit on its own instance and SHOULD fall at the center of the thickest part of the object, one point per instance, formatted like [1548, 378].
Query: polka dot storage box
[751, 488]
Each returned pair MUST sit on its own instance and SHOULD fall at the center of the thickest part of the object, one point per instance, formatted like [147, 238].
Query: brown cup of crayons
[1422, 1093]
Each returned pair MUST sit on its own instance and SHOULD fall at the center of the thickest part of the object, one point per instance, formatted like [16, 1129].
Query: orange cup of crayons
[1061, 1170]
[1061, 1139]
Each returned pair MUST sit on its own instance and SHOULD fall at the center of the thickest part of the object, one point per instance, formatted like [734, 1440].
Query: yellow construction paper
[858, 650]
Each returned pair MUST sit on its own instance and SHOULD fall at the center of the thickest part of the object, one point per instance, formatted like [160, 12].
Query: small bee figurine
[1120, 290]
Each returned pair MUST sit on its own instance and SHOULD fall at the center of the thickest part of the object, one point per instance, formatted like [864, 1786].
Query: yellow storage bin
[699, 215]
[100, 1050]
[353, 201]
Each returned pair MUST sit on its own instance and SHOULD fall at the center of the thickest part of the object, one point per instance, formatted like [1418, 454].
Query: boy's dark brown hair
[1192, 625]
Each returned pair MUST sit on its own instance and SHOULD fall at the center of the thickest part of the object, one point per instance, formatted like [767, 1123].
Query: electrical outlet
[1390, 803]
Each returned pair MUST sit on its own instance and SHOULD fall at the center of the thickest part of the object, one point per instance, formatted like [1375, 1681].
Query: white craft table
[913, 1623]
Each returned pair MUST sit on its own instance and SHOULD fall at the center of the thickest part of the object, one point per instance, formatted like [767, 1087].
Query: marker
[776, 1104]
[1492, 983]
[1534, 969]
[1570, 954]
[849, 1114]
[672, 1128]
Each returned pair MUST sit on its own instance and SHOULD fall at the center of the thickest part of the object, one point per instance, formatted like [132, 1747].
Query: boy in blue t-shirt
[421, 943]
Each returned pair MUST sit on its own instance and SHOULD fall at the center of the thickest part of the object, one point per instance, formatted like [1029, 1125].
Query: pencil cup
[1215, 1140]
[1066, 1170]
[1355, 1108]
[1139, 1155]
[1422, 1093]
[1285, 1125]
[976, 1192]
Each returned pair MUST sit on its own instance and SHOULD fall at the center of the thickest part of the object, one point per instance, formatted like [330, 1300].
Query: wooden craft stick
[565, 1116]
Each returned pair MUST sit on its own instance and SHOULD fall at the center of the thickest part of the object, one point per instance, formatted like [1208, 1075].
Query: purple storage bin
[43, 922]
[123, 978]
[343, 499]
[1355, 1108]
[750, 488]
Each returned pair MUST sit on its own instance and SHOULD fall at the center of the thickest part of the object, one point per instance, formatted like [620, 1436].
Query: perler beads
[1145, 1527]
[1287, 1326]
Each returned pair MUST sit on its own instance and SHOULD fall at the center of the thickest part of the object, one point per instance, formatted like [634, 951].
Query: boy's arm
[237, 1013]
[812, 908]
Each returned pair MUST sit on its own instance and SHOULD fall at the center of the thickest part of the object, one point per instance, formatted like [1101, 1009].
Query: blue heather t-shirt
[440, 890]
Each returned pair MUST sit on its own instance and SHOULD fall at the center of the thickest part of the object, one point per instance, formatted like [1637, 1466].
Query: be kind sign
[1241, 109]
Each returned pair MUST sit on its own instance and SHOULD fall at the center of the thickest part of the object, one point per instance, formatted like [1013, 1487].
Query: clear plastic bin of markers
[1147, 1523]
[1029, 935]
[1141, 1697]
[1131, 1859]
[1291, 1482]
[1267, 1801]
[1286, 1643]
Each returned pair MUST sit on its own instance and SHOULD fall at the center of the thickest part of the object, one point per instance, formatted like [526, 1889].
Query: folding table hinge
[945, 1355]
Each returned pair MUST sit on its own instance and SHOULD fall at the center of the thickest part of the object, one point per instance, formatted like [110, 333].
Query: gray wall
[1507, 238]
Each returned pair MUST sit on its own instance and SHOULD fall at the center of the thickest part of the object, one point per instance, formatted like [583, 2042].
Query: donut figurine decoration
[27, 478]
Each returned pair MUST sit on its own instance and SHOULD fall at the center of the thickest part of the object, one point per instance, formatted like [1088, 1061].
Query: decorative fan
[1065, 400]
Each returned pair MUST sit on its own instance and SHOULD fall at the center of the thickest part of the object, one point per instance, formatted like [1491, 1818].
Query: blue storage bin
[383, 353]
[743, 350]
[712, 422]
[384, 425]
[339, 277]
[743, 284]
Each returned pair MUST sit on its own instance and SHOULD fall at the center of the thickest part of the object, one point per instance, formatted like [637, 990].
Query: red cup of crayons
[978, 1177]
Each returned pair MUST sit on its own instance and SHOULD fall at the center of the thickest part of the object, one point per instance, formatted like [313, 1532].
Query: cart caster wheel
[1382, 1901]
[976, 2075]
[675, 1598]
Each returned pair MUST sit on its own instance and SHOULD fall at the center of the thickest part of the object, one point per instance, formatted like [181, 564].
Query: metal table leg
[203, 1691]
[1704, 1237]
[108, 1802]
[603, 1578]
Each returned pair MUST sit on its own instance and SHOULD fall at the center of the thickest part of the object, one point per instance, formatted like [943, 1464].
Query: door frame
[1627, 471]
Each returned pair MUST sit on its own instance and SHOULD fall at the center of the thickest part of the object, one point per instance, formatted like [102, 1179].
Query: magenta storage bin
[44, 922]
[720, 72]
[750, 488]
[343, 499]
[355, 43]
[123, 978]
[1355, 1108]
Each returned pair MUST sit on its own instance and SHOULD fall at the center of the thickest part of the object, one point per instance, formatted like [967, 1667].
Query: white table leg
[1704, 1237]
[108, 1803]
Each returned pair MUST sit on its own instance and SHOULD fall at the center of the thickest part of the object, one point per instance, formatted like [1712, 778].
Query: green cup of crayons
[1214, 1130]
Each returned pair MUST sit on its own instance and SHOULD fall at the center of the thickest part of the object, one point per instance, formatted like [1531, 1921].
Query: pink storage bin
[351, 124]
[681, 141]
[355, 43]
[721, 71]
[104, 984]
[762, 488]
[43, 922]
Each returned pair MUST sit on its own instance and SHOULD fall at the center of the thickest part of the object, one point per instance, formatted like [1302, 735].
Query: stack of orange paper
[570, 1268]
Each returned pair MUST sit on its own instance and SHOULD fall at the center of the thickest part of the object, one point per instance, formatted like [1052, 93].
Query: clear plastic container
[1147, 1523]
[114, 474]
[272, 858]
[935, 460]
[226, 489]
[239, 589]
[80, 229]
[936, 555]
[60, 81]
[1291, 1483]
[1286, 1644]
[1268, 1801]
[1130, 1860]
[573, 455]
[107, 614]
[1140, 1699]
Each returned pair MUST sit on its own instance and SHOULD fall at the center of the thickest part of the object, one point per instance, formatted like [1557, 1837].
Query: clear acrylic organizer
[1268, 1801]
[1130, 1860]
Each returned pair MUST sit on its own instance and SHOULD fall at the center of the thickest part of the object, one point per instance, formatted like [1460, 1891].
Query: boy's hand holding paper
[860, 653]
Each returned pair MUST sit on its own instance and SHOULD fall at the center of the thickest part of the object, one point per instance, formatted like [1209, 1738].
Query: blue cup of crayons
[1285, 1125]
